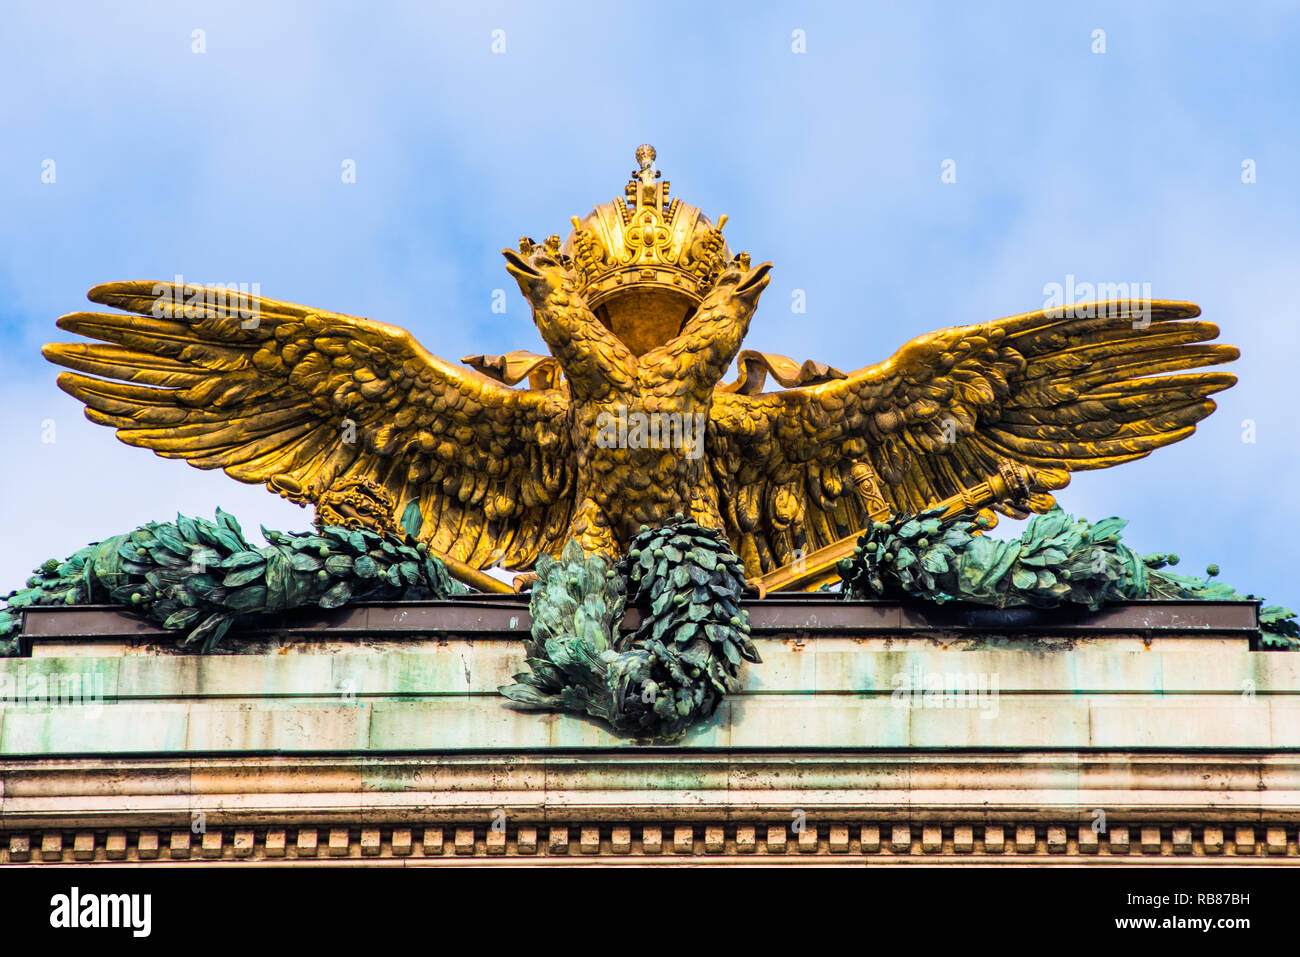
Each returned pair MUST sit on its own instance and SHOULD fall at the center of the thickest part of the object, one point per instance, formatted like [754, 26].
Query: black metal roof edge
[507, 616]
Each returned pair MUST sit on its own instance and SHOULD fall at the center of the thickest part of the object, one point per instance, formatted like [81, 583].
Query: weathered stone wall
[896, 748]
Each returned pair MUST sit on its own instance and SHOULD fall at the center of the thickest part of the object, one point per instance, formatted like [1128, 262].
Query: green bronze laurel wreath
[199, 576]
[1057, 560]
[678, 665]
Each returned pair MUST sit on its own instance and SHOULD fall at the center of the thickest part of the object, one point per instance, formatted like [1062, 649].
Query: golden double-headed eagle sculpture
[628, 421]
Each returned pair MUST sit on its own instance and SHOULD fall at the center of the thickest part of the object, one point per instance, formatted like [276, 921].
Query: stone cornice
[677, 843]
[1043, 788]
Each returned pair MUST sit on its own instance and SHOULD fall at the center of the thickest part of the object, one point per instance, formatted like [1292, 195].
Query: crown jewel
[645, 261]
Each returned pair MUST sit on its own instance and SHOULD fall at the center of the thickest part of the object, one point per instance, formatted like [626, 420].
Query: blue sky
[225, 166]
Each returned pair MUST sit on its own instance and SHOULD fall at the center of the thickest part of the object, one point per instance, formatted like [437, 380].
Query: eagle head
[540, 270]
[741, 281]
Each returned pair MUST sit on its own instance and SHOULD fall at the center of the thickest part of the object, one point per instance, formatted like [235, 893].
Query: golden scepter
[1013, 483]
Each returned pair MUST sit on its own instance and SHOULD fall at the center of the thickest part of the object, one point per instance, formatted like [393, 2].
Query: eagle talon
[524, 582]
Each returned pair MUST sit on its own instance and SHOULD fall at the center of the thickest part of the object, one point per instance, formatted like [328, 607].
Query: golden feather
[302, 400]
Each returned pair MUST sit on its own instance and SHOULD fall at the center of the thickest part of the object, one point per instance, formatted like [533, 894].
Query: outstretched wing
[1074, 388]
[265, 389]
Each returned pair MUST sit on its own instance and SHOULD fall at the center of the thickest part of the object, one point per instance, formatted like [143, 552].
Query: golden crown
[646, 261]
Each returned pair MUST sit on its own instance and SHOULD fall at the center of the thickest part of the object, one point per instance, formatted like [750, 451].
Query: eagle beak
[755, 282]
[519, 267]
